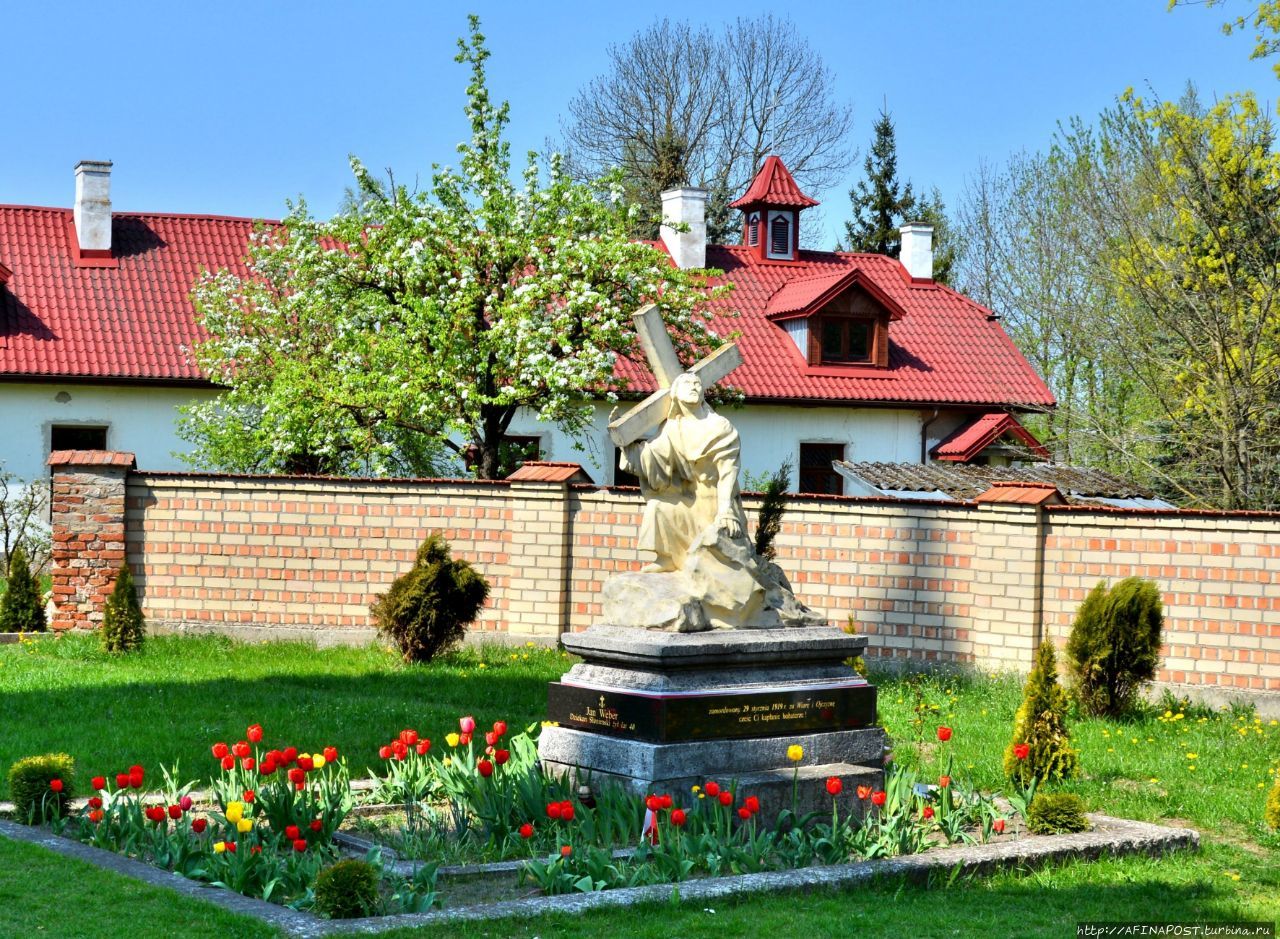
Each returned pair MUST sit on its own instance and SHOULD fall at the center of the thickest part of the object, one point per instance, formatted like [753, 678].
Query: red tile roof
[545, 471]
[805, 293]
[972, 438]
[92, 458]
[774, 185]
[135, 321]
[1022, 494]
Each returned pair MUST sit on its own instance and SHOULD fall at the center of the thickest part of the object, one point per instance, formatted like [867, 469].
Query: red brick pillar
[88, 532]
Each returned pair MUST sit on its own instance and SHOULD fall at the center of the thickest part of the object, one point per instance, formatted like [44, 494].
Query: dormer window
[838, 321]
[845, 340]
[753, 229]
[780, 235]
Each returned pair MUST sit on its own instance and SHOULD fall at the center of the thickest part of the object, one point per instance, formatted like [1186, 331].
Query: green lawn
[1206, 770]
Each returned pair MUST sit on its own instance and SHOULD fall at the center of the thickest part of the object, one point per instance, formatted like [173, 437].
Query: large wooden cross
[652, 411]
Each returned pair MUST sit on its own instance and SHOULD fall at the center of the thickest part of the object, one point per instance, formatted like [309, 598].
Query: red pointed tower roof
[774, 185]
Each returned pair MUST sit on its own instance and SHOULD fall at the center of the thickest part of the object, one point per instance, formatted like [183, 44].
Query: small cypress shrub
[1114, 647]
[1056, 813]
[347, 889]
[29, 778]
[772, 508]
[428, 609]
[20, 608]
[1041, 727]
[1272, 813]
[123, 628]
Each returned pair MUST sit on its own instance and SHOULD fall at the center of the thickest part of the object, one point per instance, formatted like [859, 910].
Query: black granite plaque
[667, 718]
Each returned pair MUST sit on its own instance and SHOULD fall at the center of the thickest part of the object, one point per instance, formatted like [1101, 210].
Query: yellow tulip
[245, 824]
[318, 761]
[452, 739]
[219, 847]
[235, 811]
[795, 753]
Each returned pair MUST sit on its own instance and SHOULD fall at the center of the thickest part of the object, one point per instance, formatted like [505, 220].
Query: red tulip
[297, 775]
[99, 782]
[240, 750]
[175, 812]
[566, 811]
[95, 816]
[135, 779]
[398, 749]
[501, 756]
[484, 768]
[409, 737]
[300, 845]
[254, 733]
[95, 802]
[500, 728]
[155, 813]
[565, 850]
[944, 734]
[228, 762]
[744, 813]
[928, 811]
[467, 724]
[122, 780]
[998, 826]
[752, 804]
[878, 797]
[712, 789]
[249, 795]
[331, 753]
[653, 803]
[491, 738]
[834, 785]
[422, 747]
[726, 798]
[56, 785]
[526, 831]
[864, 792]
[266, 768]
[944, 782]
[317, 825]
[292, 832]
[248, 763]
[665, 800]
[256, 849]
[678, 817]
[553, 809]
[219, 750]
[306, 764]
[231, 847]
[384, 752]
[290, 754]
[198, 825]
[464, 739]
[1021, 751]
[185, 803]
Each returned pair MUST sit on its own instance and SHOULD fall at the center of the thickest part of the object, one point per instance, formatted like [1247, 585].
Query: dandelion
[795, 753]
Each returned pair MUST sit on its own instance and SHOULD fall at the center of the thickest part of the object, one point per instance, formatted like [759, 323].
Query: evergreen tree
[881, 204]
[1041, 727]
[20, 607]
[123, 628]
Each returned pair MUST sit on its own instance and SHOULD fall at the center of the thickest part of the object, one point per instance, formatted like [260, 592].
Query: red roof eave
[972, 438]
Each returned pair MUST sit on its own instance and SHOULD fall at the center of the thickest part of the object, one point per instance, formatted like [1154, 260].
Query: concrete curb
[1109, 837]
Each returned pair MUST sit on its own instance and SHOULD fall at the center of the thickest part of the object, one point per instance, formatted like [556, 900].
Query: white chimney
[917, 250]
[93, 206]
[686, 206]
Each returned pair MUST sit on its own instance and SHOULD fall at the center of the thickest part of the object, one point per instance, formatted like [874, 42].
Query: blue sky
[230, 108]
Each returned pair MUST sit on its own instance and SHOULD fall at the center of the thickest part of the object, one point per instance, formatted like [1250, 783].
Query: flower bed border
[1109, 837]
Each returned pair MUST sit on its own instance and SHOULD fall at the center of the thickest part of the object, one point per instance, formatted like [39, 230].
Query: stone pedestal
[663, 712]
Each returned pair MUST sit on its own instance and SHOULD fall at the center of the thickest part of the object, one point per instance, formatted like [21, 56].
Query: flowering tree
[424, 321]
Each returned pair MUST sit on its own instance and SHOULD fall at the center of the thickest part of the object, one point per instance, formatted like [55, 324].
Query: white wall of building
[139, 419]
[769, 433]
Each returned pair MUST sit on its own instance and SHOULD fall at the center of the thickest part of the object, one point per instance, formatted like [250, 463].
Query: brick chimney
[917, 250]
[685, 206]
[93, 208]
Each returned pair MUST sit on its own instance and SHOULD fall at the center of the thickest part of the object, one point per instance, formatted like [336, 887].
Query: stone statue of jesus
[689, 478]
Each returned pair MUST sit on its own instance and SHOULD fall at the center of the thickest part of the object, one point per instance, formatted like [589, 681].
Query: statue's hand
[729, 524]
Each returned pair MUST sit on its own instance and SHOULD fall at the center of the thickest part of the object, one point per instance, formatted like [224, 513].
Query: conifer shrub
[1272, 812]
[1041, 746]
[1114, 647]
[123, 628]
[31, 786]
[428, 610]
[347, 890]
[20, 608]
[1056, 813]
[772, 508]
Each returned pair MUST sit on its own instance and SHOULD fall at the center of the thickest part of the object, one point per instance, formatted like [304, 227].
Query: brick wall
[969, 583]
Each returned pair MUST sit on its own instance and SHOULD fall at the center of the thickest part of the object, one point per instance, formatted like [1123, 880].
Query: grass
[180, 695]
[1207, 770]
